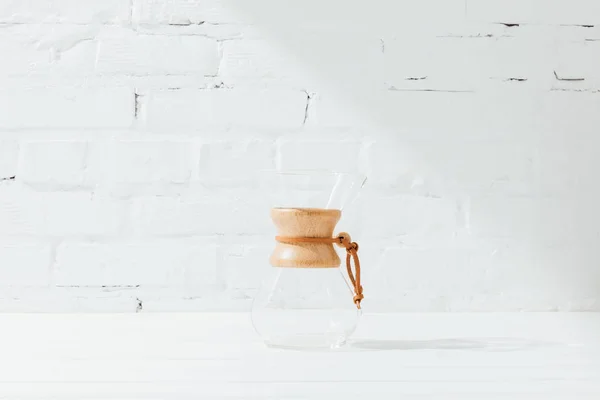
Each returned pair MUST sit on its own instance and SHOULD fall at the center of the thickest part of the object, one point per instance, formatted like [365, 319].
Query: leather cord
[343, 240]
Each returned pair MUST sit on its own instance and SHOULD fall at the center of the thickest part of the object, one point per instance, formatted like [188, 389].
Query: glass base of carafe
[306, 342]
[306, 328]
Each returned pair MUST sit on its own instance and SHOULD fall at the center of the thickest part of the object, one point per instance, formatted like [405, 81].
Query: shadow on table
[482, 344]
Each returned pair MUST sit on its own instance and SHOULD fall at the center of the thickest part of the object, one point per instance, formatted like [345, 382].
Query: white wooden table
[208, 356]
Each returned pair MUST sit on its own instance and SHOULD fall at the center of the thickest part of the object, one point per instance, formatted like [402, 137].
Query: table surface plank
[218, 355]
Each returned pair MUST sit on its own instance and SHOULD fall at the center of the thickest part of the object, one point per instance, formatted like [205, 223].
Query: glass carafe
[306, 300]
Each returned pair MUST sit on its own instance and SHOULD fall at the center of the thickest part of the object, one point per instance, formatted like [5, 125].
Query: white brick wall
[24, 264]
[28, 213]
[576, 12]
[42, 108]
[39, 166]
[9, 155]
[64, 11]
[131, 134]
[197, 110]
[135, 162]
[127, 52]
[148, 263]
[232, 162]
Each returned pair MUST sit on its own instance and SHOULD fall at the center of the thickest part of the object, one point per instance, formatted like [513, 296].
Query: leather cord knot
[352, 247]
[358, 297]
